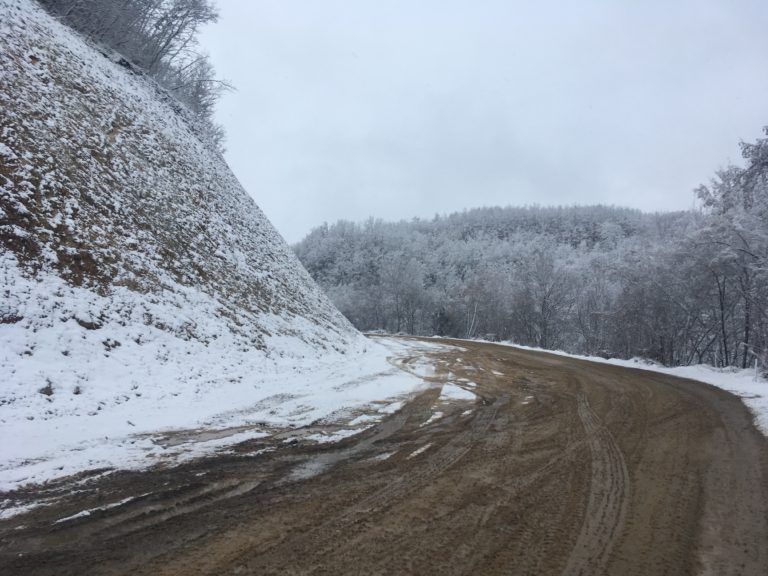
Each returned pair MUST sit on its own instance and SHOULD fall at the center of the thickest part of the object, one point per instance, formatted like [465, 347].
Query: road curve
[559, 466]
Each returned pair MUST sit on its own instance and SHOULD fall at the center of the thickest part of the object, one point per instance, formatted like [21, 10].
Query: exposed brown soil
[561, 467]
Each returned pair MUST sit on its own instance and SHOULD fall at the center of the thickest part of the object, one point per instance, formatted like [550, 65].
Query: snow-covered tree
[678, 287]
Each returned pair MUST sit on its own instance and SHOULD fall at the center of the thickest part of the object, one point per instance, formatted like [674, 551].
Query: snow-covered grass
[752, 389]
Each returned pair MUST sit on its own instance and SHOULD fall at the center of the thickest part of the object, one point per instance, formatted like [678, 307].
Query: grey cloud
[400, 109]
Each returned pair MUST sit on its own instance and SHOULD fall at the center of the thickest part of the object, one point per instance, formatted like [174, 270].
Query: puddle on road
[317, 464]
[312, 467]
[450, 388]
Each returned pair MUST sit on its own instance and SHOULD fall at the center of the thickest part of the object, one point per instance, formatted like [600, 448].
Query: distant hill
[331, 252]
[679, 288]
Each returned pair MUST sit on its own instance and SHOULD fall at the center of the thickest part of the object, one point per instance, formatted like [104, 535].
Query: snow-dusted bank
[111, 426]
[149, 311]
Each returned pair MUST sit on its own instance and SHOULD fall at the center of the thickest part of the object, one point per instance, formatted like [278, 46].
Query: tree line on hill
[159, 37]
[678, 288]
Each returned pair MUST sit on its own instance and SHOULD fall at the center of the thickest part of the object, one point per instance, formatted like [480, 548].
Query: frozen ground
[158, 426]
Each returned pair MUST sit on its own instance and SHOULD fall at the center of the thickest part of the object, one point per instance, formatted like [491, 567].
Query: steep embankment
[141, 285]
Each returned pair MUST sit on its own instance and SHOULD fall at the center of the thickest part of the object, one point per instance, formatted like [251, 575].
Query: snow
[91, 430]
[324, 438]
[453, 392]
[434, 418]
[187, 285]
[392, 407]
[383, 456]
[11, 511]
[420, 450]
[149, 313]
[363, 419]
[84, 513]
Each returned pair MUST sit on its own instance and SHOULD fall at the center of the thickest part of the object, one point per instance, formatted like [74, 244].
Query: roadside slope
[142, 287]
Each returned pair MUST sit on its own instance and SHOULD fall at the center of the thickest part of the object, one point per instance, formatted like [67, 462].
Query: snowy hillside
[106, 185]
[141, 286]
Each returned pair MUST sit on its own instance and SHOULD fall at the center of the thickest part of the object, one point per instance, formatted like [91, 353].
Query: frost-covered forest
[678, 288]
[157, 37]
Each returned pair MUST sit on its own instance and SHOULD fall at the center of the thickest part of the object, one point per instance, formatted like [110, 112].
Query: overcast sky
[402, 108]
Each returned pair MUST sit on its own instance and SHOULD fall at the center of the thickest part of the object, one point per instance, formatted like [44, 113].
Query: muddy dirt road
[557, 466]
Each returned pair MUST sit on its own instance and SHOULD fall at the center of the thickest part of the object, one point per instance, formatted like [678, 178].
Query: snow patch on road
[84, 513]
[324, 438]
[384, 456]
[11, 511]
[435, 417]
[363, 419]
[419, 451]
[453, 392]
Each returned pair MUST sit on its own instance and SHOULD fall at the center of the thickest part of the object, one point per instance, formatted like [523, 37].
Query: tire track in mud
[467, 550]
[157, 510]
[327, 537]
[466, 534]
[532, 481]
[440, 460]
[608, 498]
